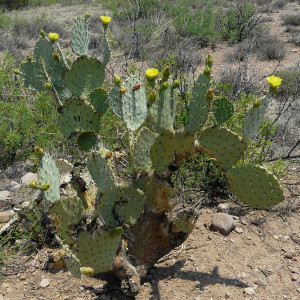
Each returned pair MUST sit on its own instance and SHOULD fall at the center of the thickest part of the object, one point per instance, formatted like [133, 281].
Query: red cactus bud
[136, 87]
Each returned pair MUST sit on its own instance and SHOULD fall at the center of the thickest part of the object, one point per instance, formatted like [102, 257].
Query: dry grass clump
[270, 48]
[291, 19]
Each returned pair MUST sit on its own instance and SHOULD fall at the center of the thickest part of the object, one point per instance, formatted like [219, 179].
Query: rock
[18, 169]
[227, 295]
[243, 275]
[239, 230]
[295, 270]
[261, 282]
[298, 290]
[44, 283]
[244, 222]
[294, 277]
[5, 285]
[271, 278]
[249, 291]
[285, 238]
[5, 195]
[223, 208]
[276, 237]
[13, 186]
[23, 277]
[27, 178]
[223, 223]
[5, 216]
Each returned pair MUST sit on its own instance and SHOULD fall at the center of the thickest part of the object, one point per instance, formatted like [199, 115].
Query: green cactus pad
[101, 171]
[85, 75]
[106, 51]
[163, 150]
[115, 101]
[134, 104]
[199, 105]
[130, 208]
[99, 99]
[78, 114]
[98, 250]
[255, 116]
[44, 49]
[68, 212]
[80, 37]
[33, 75]
[48, 172]
[255, 186]
[121, 204]
[87, 140]
[222, 111]
[58, 79]
[226, 146]
[140, 153]
[162, 112]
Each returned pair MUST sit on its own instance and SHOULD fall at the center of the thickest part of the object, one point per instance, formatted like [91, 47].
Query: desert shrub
[25, 119]
[290, 81]
[279, 4]
[269, 47]
[291, 19]
[5, 21]
[263, 2]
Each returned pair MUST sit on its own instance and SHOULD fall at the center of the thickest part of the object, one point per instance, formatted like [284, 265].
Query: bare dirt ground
[259, 260]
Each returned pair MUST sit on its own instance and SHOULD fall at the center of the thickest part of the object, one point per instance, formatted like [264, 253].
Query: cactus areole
[131, 224]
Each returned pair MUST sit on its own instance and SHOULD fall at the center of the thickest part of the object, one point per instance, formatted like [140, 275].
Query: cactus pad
[48, 172]
[140, 153]
[199, 105]
[255, 116]
[115, 101]
[80, 37]
[222, 110]
[101, 172]
[162, 112]
[134, 104]
[43, 50]
[255, 186]
[87, 140]
[33, 75]
[85, 75]
[98, 250]
[121, 205]
[99, 99]
[78, 114]
[163, 150]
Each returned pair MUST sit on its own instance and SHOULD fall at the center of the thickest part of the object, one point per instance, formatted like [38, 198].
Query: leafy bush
[26, 119]
[290, 81]
[269, 47]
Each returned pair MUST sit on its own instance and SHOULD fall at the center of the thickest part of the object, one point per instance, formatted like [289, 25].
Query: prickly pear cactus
[131, 221]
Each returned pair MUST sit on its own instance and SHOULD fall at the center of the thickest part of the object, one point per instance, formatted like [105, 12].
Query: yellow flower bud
[122, 90]
[46, 186]
[87, 15]
[87, 271]
[48, 85]
[17, 71]
[176, 84]
[210, 94]
[167, 71]
[207, 71]
[256, 103]
[42, 33]
[33, 184]
[53, 36]
[38, 151]
[209, 60]
[117, 80]
[164, 85]
[153, 95]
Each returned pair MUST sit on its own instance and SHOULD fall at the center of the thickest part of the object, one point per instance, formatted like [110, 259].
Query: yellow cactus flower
[87, 271]
[105, 20]
[151, 74]
[274, 82]
[53, 36]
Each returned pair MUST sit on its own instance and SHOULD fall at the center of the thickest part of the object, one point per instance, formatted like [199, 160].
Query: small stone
[285, 238]
[271, 278]
[27, 178]
[223, 208]
[276, 237]
[5, 285]
[5, 216]
[249, 291]
[13, 186]
[227, 295]
[295, 270]
[298, 290]
[294, 277]
[5, 195]
[23, 277]
[239, 230]
[223, 223]
[232, 241]
[244, 222]
[243, 275]
[261, 282]
[44, 283]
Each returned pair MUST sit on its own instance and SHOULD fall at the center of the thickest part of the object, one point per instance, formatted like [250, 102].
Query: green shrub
[26, 119]
[5, 21]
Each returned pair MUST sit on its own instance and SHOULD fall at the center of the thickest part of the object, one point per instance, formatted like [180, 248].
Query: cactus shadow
[204, 279]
